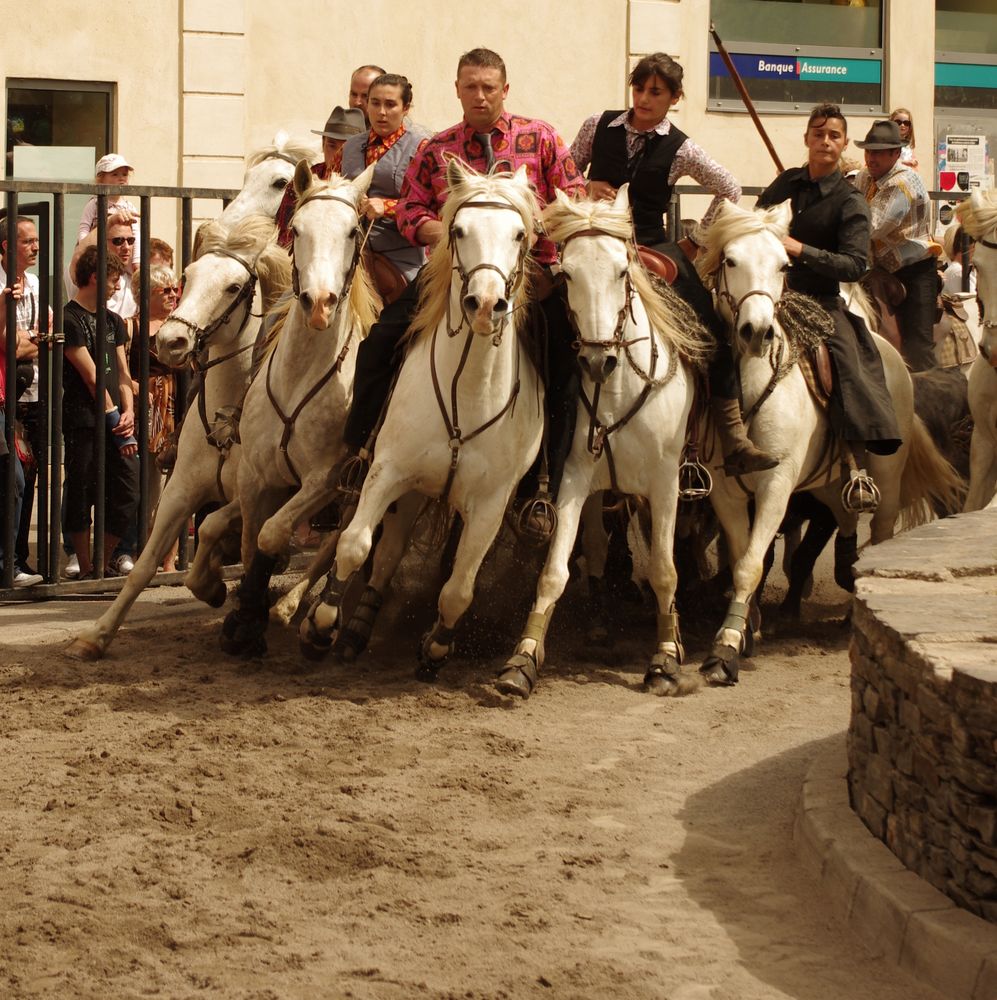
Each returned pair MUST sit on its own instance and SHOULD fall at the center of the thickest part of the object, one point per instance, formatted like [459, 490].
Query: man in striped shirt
[901, 237]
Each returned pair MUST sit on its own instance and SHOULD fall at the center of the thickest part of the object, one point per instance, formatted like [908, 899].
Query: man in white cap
[901, 238]
[341, 124]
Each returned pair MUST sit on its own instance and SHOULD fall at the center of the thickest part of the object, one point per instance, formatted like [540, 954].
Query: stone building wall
[922, 744]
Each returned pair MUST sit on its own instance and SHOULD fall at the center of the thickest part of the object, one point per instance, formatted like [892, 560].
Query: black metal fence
[51, 340]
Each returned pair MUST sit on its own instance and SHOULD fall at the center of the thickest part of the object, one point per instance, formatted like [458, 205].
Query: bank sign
[770, 67]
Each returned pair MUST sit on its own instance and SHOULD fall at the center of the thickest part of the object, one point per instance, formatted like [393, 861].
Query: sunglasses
[118, 240]
[169, 289]
[902, 121]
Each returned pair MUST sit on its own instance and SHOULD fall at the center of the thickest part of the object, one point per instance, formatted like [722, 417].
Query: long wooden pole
[743, 91]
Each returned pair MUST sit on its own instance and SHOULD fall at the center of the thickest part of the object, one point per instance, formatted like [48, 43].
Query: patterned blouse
[690, 161]
[901, 217]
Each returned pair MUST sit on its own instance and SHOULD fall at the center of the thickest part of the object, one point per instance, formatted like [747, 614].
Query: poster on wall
[964, 163]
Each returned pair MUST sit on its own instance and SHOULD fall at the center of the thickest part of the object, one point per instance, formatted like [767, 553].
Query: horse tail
[929, 486]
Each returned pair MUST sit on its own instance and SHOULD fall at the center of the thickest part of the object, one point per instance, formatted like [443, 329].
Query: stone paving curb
[897, 915]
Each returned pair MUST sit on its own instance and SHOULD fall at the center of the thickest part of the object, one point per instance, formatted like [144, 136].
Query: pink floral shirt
[515, 141]
[691, 160]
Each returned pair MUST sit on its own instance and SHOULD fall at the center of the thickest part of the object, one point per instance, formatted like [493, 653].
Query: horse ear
[521, 177]
[303, 177]
[362, 183]
[622, 200]
[779, 217]
[562, 199]
[280, 139]
[456, 172]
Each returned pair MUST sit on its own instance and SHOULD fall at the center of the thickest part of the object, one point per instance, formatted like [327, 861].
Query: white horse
[293, 415]
[466, 415]
[746, 263]
[978, 215]
[268, 172]
[637, 392]
[241, 272]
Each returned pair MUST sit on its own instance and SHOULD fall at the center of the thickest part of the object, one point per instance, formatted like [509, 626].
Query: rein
[598, 433]
[513, 282]
[289, 420]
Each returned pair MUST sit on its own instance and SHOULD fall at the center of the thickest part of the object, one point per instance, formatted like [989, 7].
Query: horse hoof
[720, 668]
[216, 598]
[660, 685]
[82, 649]
[519, 676]
[243, 635]
[313, 645]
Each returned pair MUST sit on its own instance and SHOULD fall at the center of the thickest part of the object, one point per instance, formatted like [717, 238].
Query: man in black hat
[341, 124]
[901, 237]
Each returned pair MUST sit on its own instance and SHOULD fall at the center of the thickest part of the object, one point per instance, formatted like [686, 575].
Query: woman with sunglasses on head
[906, 125]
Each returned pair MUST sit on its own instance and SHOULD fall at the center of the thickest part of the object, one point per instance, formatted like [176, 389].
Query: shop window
[65, 114]
[792, 55]
[965, 59]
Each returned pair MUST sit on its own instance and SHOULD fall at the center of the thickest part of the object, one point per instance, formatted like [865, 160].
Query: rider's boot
[741, 457]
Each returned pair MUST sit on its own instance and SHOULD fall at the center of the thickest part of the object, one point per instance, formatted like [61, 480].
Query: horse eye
[623, 273]
[294, 232]
[353, 233]
[785, 267]
[458, 232]
[567, 277]
[233, 289]
[730, 263]
[280, 184]
[520, 236]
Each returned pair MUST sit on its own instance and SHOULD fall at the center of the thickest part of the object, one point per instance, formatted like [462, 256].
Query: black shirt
[80, 327]
[831, 220]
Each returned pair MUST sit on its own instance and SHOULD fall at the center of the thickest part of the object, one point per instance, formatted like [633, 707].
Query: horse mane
[255, 239]
[731, 223]
[363, 299]
[667, 313]
[978, 213]
[435, 277]
[297, 149]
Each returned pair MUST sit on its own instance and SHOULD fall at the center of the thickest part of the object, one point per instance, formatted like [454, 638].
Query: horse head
[978, 216]
[268, 172]
[595, 262]
[489, 229]
[218, 290]
[747, 264]
[326, 231]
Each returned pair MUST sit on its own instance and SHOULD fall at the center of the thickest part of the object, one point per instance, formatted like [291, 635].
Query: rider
[643, 147]
[391, 144]
[488, 136]
[828, 242]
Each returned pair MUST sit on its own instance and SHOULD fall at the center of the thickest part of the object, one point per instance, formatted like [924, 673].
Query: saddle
[658, 264]
[387, 279]
[818, 372]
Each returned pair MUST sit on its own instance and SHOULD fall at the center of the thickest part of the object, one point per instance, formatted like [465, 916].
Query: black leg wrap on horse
[519, 676]
[429, 666]
[244, 633]
[252, 592]
[721, 666]
[357, 633]
[845, 555]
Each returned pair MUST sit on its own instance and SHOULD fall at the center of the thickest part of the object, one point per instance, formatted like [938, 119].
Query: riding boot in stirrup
[740, 455]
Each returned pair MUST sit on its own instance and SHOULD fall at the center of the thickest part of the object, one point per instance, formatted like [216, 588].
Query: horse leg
[595, 545]
[319, 628]
[481, 525]
[387, 555]
[663, 677]
[244, 628]
[204, 579]
[521, 672]
[175, 507]
[821, 527]
[747, 550]
[982, 470]
[287, 606]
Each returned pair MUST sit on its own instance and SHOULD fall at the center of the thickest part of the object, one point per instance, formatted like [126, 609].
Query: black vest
[647, 173]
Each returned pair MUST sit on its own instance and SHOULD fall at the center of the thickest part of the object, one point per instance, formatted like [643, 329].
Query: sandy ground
[175, 823]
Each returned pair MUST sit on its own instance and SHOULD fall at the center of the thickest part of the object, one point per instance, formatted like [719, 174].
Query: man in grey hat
[901, 237]
[340, 125]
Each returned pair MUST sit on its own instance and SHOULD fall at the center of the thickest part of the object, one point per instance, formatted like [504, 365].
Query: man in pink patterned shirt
[487, 137]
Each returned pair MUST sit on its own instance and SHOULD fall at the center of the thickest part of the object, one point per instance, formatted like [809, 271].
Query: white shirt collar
[662, 128]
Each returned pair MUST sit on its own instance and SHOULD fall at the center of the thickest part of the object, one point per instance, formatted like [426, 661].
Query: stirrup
[535, 520]
[695, 481]
[860, 495]
[352, 474]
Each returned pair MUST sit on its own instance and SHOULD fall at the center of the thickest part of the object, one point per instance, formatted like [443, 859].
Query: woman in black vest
[642, 147]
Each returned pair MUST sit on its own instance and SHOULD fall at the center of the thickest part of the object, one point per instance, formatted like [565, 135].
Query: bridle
[734, 304]
[289, 420]
[512, 281]
[598, 433]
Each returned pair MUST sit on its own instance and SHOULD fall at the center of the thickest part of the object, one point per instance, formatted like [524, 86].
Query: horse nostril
[609, 364]
[471, 303]
[501, 306]
[745, 332]
[770, 334]
[306, 301]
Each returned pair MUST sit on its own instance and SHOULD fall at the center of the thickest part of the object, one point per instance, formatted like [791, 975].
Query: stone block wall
[922, 743]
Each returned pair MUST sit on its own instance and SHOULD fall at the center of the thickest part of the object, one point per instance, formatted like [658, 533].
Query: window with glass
[59, 113]
[966, 54]
[793, 54]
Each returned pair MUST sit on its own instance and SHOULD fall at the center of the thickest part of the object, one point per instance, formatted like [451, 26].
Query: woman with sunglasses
[906, 125]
